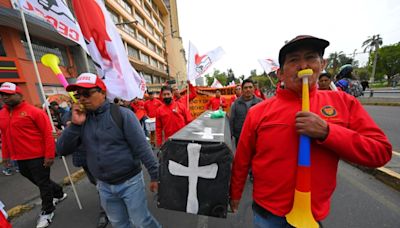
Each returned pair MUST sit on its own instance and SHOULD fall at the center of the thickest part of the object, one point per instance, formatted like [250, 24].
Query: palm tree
[333, 61]
[372, 44]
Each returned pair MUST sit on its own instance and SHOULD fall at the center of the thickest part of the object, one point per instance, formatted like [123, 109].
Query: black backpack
[116, 115]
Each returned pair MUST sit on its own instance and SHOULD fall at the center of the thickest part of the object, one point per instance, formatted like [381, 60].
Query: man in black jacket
[240, 107]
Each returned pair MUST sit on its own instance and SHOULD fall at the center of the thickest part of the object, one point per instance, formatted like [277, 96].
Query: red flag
[107, 50]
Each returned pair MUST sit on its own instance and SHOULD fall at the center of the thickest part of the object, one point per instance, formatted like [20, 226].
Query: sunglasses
[86, 93]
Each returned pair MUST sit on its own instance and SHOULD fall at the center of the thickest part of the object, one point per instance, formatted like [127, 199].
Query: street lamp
[127, 23]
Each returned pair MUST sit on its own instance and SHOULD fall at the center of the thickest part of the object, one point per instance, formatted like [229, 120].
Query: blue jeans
[272, 221]
[126, 204]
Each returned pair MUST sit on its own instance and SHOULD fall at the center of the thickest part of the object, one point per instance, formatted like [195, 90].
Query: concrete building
[149, 29]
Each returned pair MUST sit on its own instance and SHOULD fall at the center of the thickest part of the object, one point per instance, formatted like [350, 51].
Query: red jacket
[233, 98]
[170, 119]
[184, 99]
[151, 107]
[138, 109]
[259, 94]
[26, 133]
[269, 144]
[215, 103]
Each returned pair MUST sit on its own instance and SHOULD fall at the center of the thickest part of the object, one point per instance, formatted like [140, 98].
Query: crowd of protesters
[111, 141]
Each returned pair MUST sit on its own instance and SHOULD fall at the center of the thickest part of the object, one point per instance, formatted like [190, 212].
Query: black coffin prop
[202, 187]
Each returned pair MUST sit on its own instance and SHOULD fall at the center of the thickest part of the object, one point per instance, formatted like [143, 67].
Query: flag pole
[188, 76]
[28, 39]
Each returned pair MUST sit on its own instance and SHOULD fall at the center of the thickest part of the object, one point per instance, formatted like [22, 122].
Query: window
[152, 46]
[160, 27]
[157, 37]
[153, 62]
[147, 77]
[126, 5]
[155, 8]
[139, 1]
[144, 58]
[156, 79]
[133, 52]
[158, 51]
[139, 19]
[147, 10]
[149, 28]
[114, 16]
[92, 67]
[141, 38]
[130, 30]
[161, 66]
[43, 47]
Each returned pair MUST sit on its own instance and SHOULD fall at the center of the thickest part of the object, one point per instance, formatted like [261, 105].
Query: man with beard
[170, 117]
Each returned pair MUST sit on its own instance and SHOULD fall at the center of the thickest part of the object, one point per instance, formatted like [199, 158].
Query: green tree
[333, 62]
[372, 45]
[253, 73]
[217, 74]
[389, 61]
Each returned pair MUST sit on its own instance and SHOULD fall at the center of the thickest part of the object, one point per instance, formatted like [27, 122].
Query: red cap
[10, 88]
[87, 81]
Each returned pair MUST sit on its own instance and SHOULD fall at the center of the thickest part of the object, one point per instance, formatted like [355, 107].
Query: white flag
[269, 65]
[198, 64]
[107, 50]
[57, 14]
[216, 84]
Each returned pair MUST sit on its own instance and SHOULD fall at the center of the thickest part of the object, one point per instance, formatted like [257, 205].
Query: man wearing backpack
[114, 154]
[346, 82]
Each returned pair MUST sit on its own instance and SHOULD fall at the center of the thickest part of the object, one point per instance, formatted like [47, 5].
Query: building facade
[150, 32]
[145, 28]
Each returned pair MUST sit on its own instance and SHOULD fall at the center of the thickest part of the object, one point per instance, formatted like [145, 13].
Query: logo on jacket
[328, 111]
[22, 114]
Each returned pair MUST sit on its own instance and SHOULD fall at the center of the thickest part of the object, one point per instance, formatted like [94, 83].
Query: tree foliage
[388, 61]
[338, 59]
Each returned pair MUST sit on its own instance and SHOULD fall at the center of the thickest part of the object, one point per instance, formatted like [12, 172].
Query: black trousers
[39, 175]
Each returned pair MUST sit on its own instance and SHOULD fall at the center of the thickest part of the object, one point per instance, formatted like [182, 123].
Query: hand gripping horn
[301, 214]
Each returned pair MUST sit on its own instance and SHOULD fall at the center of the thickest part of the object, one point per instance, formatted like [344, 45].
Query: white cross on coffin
[193, 172]
[207, 134]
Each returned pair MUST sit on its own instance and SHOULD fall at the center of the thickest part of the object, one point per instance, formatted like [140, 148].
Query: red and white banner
[107, 50]
[269, 65]
[198, 64]
[56, 13]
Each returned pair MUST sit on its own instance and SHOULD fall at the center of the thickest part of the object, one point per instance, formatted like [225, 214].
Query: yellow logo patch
[328, 111]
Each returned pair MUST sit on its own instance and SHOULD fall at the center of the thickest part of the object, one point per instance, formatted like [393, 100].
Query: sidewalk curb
[27, 206]
[383, 174]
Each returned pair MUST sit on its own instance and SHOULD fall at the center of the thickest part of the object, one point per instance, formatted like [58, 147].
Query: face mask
[167, 100]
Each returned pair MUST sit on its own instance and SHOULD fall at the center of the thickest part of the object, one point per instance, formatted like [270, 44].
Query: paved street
[360, 201]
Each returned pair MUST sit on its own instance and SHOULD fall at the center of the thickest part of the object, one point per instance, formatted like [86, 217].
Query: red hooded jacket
[151, 107]
[170, 119]
[26, 133]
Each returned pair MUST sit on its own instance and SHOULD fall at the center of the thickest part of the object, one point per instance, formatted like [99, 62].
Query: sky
[257, 29]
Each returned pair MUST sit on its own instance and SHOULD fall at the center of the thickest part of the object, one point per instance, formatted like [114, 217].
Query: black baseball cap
[300, 41]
